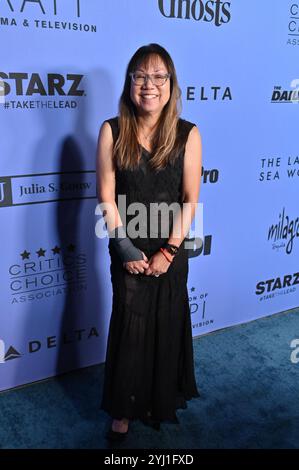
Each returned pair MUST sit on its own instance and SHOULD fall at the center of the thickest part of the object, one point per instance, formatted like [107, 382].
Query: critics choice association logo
[293, 24]
[47, 272]
[22, 90]
[210, 11]
[45, 14]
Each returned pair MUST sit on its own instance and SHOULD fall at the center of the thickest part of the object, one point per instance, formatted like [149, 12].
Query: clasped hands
[155, 266]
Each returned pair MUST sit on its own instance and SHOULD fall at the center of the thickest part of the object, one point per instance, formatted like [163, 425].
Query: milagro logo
[283, 232]
[211, 11]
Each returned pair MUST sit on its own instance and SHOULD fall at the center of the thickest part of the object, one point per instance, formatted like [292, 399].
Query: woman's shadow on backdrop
[83, 324]
[79, 322]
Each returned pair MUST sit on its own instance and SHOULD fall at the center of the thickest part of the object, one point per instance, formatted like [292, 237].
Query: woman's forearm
[110, 213]
[182, 223]
[117, 234]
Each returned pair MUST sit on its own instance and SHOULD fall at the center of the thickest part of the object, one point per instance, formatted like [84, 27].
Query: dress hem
[173, 420]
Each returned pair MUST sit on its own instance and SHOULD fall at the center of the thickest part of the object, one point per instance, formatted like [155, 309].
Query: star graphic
[192, 289]
[41, 252]
[56, 250]
[71, 247]
[25, 254]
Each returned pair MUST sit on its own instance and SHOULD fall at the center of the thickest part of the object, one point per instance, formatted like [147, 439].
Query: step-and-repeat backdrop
[61, 74]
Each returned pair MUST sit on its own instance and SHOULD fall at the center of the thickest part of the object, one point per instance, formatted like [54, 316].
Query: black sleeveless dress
[149, 365]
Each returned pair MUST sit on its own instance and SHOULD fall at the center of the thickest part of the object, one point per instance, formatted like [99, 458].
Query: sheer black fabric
[149, 362]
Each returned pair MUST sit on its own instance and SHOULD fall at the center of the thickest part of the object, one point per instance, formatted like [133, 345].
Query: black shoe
[116, 436]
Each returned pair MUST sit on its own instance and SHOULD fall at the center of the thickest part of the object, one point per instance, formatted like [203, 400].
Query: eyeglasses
[157, 79]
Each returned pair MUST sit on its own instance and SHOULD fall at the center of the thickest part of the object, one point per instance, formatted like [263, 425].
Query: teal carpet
[249, 399]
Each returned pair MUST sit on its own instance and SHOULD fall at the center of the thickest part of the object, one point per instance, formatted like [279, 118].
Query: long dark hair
[127, 150]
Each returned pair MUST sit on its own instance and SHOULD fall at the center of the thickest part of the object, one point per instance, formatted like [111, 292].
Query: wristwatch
[172, 249]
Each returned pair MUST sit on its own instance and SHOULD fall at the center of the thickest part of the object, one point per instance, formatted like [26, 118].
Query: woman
[148, 155]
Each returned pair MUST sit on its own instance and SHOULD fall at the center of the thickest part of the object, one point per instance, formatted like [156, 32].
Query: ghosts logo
[210, 11]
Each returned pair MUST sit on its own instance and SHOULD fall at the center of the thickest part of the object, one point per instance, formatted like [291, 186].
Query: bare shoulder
[105, 134]
[104, 155]
[194, 137]
[193, 149]
[192, 166]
